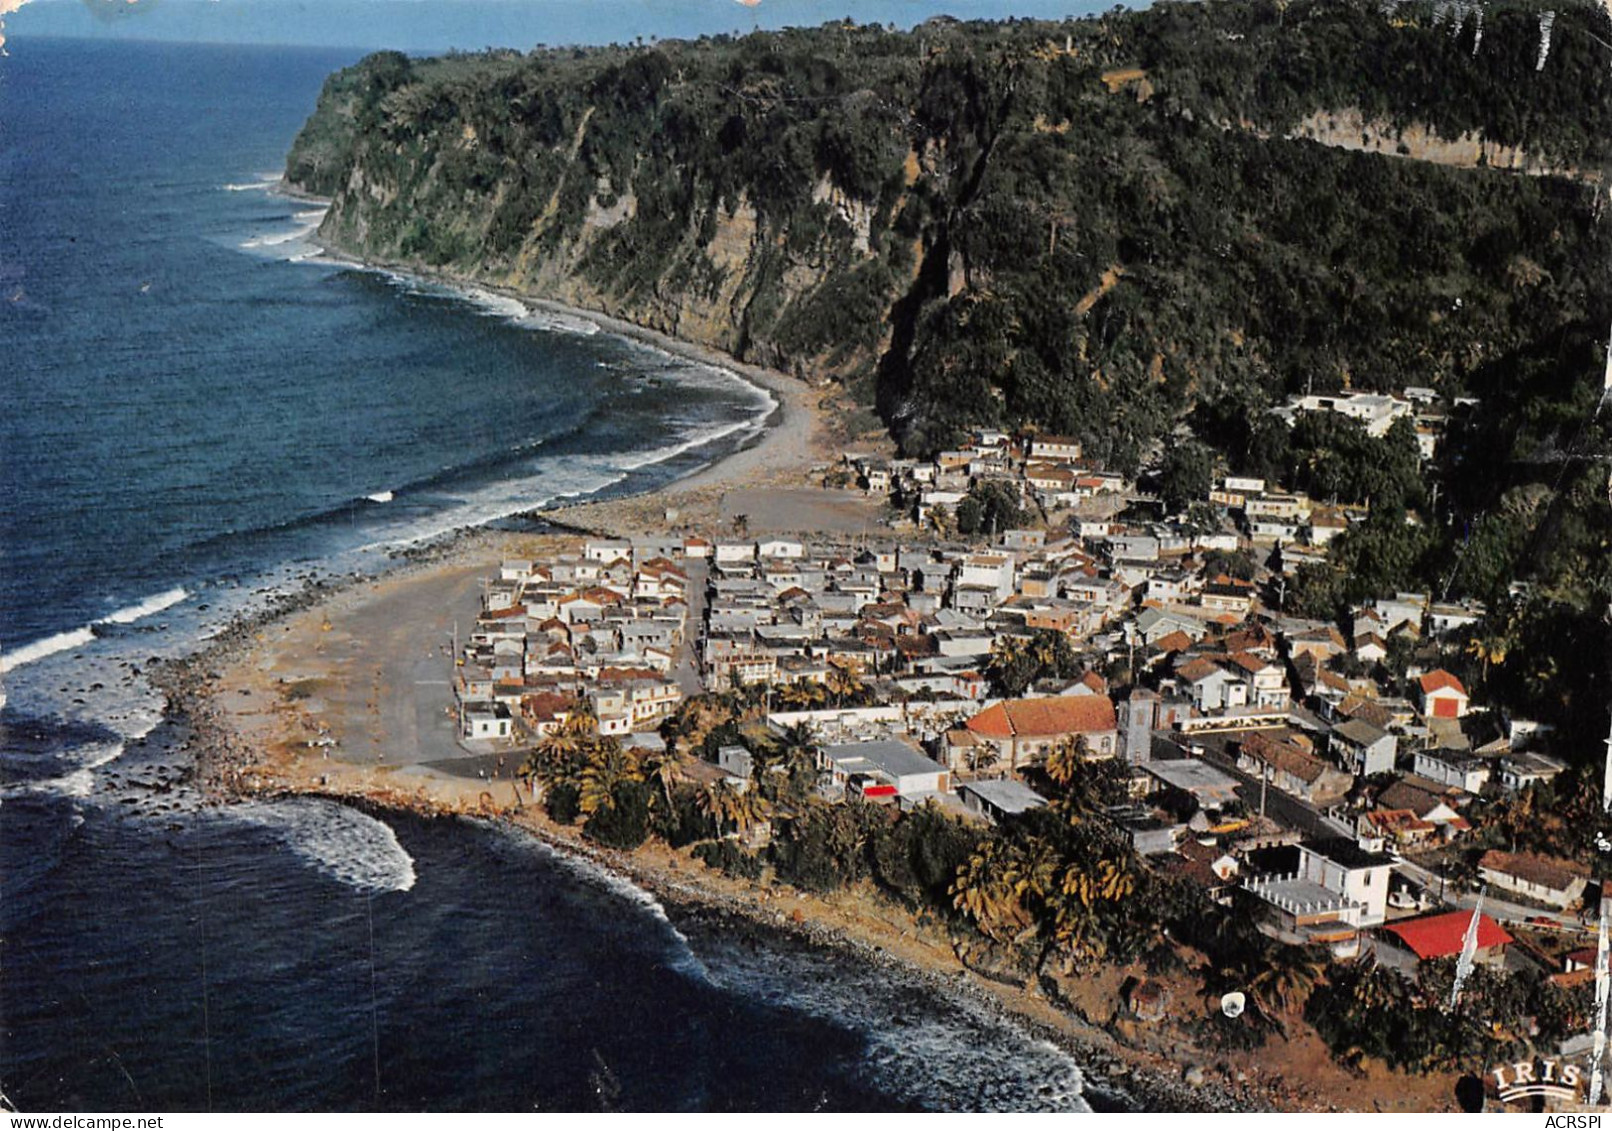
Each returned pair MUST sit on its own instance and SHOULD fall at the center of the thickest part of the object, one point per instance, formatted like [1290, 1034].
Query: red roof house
[1443, 697]
[1022, 729]
[1441, 936]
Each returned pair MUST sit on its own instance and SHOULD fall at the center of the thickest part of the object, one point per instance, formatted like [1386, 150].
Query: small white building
[1364, 749]
[885, 768]
[485, 720]
[1458, 768]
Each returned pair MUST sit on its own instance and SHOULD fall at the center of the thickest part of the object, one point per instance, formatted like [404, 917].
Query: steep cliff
[1088, 226]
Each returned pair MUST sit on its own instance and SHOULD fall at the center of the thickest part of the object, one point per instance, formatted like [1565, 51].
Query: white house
[883, 769]
[1363, 749]
[1442, 695]
[1334, 882]
[491, 720]
[1457, 768]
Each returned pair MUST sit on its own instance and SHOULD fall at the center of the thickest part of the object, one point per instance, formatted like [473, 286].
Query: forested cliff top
[1085, 226]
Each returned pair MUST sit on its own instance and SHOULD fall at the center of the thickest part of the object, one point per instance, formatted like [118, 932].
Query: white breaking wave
[337, 840]
[496, 306]
[80, 637]
[264, 182]
[99, 754]
[942, 1050]
[563, 479]
[697, 440]
[556, 323]
[277, 239]
[49, 646]
[380, 497]
[79, 782]
[519, 314]
[149, 607]
[687, 961]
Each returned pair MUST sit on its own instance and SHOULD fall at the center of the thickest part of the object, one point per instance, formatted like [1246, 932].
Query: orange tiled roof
[1176, 641]
[1046, 718]
[1439, 680]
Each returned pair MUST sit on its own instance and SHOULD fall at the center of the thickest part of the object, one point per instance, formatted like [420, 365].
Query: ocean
[200, 413]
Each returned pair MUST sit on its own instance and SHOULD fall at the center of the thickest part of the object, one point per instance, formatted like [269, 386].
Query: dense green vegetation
[972, 226]
[1365, 1010]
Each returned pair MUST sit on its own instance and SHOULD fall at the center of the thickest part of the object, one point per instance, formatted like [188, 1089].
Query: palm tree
[748, 808]
[1289, 977]
[1067, 759]
[1488, 649]
[664, 767]
[1006, 667]
[985, 890]
[796, 743]
[982, 757]
[555, 757]
[717, 802]
[607, 766]
[581, 720]
[843, 683]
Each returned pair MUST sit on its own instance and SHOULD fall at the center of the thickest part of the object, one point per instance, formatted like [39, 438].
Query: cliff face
[1011, 223]
[611, 181]
[1349, 129]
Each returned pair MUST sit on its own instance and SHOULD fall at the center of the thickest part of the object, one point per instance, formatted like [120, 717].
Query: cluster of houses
[602, 627]
[920, 621]
[1047, 470]
[1264, 752]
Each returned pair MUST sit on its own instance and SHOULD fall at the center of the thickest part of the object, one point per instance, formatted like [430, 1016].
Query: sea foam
[82, 636]
[149, 607]
[340, 842]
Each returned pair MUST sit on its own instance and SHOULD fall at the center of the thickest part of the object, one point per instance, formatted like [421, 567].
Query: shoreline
[247, 748]
[792, 437]
[233, 697]
[687, 891]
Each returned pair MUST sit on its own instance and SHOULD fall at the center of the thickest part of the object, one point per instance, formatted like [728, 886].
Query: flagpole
[1598, 1046]
[1598, 1043]
[1469, 950]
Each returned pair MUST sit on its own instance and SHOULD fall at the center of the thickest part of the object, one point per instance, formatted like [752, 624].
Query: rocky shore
[230, 766]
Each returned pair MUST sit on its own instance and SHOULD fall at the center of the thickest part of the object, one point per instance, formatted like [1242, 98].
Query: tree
[1016, 662]
[990, 507]
[623, 822]
[1290, 973]
[1187, 475]
[986, 890]
[717, 802]
[607, 766]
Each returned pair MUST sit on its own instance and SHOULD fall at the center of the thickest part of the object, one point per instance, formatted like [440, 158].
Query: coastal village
[1320, 780]
[969, 560]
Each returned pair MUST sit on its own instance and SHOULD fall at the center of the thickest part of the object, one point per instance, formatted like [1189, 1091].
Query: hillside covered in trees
[1087, 227]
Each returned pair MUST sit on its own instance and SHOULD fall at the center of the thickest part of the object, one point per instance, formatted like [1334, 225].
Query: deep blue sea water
[197, 413]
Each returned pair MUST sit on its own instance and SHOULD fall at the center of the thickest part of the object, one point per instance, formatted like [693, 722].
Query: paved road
[1494, 906]
[1279, 806]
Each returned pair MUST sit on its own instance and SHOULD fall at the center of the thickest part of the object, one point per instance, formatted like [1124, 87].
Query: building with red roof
[1024, 730]
[1442, 936]
[1442, 696]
